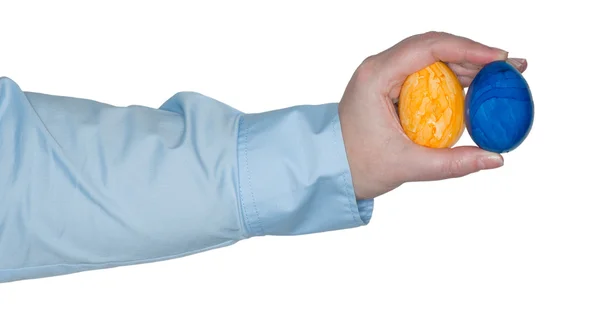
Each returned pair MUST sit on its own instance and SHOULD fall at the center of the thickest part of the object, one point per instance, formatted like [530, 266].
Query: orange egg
[431, 107]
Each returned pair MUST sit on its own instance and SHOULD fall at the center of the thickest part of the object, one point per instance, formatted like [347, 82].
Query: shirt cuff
[294, 176]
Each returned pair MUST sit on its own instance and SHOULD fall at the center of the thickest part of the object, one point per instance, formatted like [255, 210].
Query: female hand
[380, 155]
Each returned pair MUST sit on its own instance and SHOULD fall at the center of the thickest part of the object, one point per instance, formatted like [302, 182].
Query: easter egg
[499, 108]
[431, 107]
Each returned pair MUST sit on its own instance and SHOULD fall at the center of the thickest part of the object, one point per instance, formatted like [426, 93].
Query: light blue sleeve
[85, 185]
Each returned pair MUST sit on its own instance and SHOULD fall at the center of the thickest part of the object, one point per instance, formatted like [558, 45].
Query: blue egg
[499, 108]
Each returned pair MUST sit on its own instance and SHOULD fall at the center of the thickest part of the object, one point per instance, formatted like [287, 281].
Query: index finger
[419, 51]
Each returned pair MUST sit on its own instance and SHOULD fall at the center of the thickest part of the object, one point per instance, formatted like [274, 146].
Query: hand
[380, 155]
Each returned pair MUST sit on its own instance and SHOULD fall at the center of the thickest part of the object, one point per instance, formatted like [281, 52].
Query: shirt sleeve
[85, 185]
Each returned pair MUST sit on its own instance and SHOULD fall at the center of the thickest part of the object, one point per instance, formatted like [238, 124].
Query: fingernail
[517, 62]
[502, 54]
[490, 161]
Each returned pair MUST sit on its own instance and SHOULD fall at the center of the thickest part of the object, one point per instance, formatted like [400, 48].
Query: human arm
[85, 185]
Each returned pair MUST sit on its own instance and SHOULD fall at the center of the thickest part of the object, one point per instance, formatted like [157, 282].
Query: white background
[520, 244]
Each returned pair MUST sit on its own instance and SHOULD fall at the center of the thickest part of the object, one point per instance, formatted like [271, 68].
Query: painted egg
[499, 108]
[431, 107]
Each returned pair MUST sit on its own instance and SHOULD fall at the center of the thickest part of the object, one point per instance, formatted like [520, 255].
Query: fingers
[420, 51]
[467, 71]
[428, 164]
[455, 49]
[465, 81]
[519, 63]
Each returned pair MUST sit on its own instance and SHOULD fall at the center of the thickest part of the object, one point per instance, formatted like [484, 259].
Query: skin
[380, 155]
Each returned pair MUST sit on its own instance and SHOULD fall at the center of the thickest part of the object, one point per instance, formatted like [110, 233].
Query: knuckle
[367, 68]
[433, 36]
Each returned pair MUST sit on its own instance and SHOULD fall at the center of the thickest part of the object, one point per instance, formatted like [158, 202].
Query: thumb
[428, 164]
